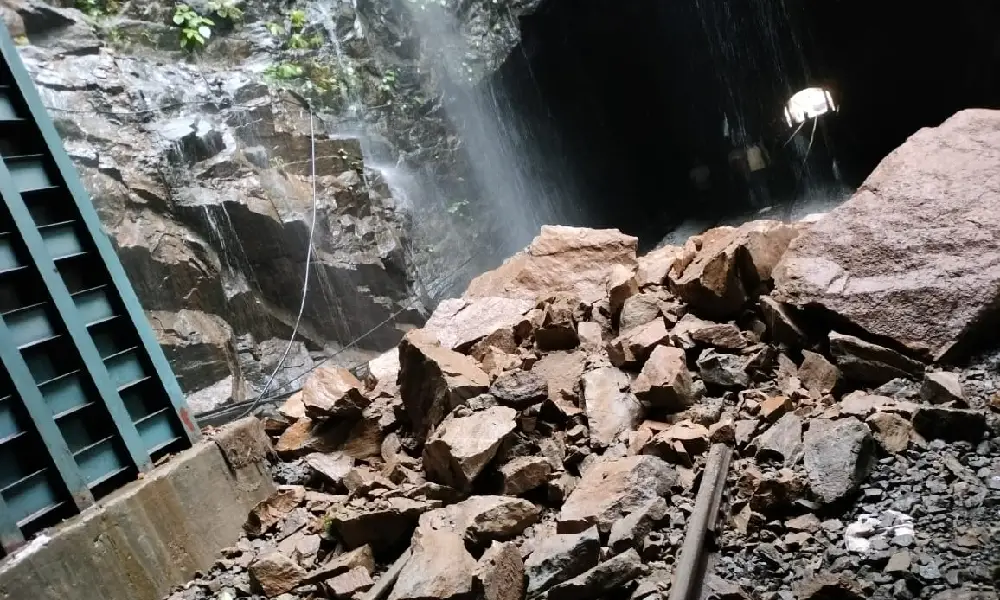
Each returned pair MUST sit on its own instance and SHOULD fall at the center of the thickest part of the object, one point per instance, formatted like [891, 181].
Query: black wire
[253, 404]
[257, 401]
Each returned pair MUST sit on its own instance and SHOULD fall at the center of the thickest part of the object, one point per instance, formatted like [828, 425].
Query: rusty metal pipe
[688, 573]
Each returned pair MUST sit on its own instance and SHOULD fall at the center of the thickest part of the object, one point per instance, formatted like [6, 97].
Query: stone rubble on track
[556, 452]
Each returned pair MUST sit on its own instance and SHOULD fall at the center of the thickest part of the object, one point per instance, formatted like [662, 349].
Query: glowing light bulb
[808, 104]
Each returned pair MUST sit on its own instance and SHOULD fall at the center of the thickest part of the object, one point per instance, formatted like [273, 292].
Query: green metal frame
[71, 320]
[67, 430]
[93, 225]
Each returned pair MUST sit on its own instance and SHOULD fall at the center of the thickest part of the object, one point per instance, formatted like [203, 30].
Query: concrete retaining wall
[152, 535]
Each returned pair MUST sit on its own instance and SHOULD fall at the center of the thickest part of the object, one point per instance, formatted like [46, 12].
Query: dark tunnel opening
[652, 112]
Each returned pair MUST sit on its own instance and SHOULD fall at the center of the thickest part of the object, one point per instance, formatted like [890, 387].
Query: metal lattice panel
[87, 399]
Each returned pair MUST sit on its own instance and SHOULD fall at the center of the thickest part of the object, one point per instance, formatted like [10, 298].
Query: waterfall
[516, 198]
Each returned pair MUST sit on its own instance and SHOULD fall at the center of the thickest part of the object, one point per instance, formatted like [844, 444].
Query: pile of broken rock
[543, 436]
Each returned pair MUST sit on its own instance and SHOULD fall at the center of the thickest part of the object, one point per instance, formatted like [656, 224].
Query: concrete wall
[153, 534]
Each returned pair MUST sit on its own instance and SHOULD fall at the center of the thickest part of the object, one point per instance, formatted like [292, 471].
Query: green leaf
[178, 19]
[205, 32]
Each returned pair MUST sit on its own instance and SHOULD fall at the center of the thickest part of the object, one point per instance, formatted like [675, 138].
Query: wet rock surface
[558, 474]
[899, 259]
[200, 170]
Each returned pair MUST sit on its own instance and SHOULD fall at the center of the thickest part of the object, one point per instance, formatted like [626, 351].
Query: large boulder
[561, 259]
[613, 488]
[725, 265]
[914, 255]
[434, 380]
[839, 456]
[611, 409]
[458, 322]
[461, 447]
[439, 567]
[332, 391]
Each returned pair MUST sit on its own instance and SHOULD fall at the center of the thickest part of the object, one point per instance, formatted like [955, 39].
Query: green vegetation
[284, 72]
[196, 29]
[98, 8]
[388, 82]
[227, 10]
[298, 19]
[299, 38]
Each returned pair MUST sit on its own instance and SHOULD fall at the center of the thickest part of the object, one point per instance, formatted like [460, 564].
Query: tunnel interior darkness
[624, 99]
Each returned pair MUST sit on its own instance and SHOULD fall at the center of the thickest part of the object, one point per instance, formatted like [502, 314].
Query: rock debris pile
[543, 435]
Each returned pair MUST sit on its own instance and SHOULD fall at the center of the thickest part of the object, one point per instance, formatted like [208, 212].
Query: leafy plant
[300, 41]
[298, 19]
[284, 71]
[195, 29]
[388, 81]
[275, 29]
[98, 8]
[226, 9]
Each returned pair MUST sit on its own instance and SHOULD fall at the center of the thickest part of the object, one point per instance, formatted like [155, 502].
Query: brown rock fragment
[870, 363]
[590, 334]
[622, 285]
[334, 466]
[558, 328]
[654, 266]
[561, 557]
[613, 488]
[274, 509]
[524, 474]
[561, 259]
[942, 387]
[275, 574]
[459, 323]
[891, 431]
[333, 392]
[817, 374]
[665, 380]
[439, 567]
[729, 265]
[293, 409]
[601, 580]
[482, 519]
[611, 409]
[631, 348]
[774, 408]
[434, 380]
[691, 437]
[347, 584]
[461, 447]
[499, 574]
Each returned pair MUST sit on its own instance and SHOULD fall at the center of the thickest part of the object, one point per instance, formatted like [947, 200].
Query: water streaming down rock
[509, 172]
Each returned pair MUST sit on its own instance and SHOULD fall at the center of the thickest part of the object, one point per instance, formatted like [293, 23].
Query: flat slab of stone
[575, 260]
[914, 255]
[611, 489]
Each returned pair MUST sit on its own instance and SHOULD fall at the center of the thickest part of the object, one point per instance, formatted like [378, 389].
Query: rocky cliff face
[199, 164]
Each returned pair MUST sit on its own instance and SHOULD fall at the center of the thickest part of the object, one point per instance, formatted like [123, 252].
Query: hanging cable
[794, 133]
[812, 136]
[305, 279]
[261, 398]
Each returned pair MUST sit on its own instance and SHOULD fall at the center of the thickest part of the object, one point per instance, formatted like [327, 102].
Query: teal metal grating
[87, 398]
